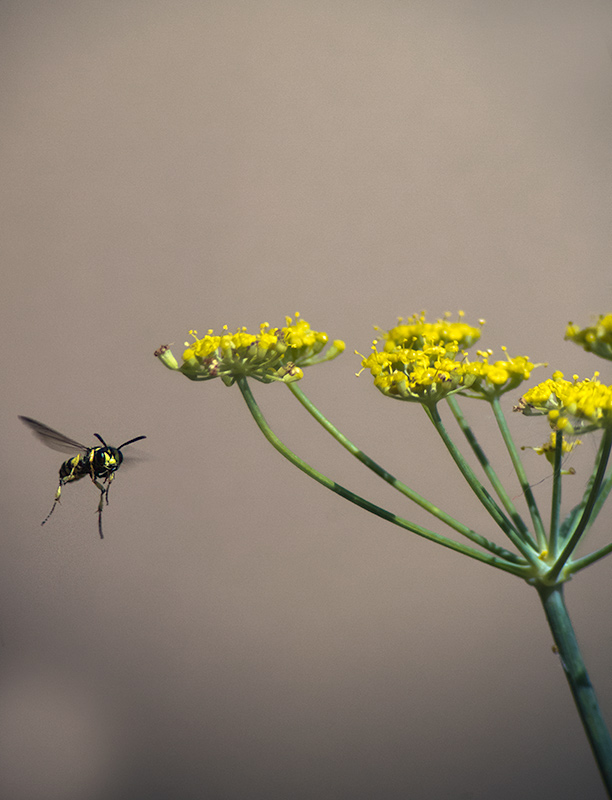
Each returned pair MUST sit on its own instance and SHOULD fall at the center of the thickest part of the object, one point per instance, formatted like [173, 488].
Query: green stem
[591, 558]
[555, 514]
[602, 497]
[486, 558]
[606, 485]
[520, 473]
[480, 491]
[585, 519]
[397, 484]
[578, 679]
[489, 471]
[573, 519]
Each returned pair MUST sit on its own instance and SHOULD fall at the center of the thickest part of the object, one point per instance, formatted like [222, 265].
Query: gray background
[241, 632]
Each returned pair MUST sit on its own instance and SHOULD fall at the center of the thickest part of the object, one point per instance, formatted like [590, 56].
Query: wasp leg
[110, 479]
[55, 502]
[103, 492]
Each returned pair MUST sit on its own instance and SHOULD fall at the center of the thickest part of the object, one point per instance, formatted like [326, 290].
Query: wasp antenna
[131, 441]
[100, 439]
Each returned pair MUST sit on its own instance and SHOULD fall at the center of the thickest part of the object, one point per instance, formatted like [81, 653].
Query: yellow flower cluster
[426, 375]
[596, 339]
[492, 380]
[274, 354]
[415, 332]
[571, 406]
[424, 362]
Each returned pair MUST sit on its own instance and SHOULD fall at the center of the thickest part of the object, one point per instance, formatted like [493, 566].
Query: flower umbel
[275, 354]
[596, 339]
[423, 376]
[418, 360]
[572, 406]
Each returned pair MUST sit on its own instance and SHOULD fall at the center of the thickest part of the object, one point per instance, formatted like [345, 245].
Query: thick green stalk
[492, 560]
[397, 484]
[578, 679]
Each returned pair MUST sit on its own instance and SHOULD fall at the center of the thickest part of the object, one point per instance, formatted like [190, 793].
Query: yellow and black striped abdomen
[75, 468]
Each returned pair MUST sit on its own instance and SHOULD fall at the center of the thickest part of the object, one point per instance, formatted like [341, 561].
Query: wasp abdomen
[73, 469]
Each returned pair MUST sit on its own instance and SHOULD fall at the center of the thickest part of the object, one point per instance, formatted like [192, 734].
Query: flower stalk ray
[480, 491]
[520, 473]
[278, 445]
[494, 480]
[397, 484]
[585, 518]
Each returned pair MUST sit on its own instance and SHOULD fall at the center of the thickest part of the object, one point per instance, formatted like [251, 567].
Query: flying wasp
[97, 462]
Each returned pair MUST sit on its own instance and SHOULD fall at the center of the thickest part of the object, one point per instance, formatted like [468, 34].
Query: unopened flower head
[415, 332]
[494, 379]
[596, 339]
[572, 406]
[274, 354]
[426, 375]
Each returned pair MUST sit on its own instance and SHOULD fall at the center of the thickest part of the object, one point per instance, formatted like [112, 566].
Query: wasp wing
[53, 439]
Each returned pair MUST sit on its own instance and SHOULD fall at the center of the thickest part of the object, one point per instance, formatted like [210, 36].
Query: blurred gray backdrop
[242, 633]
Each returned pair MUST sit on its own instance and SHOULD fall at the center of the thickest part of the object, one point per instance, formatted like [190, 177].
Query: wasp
[97, 462]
